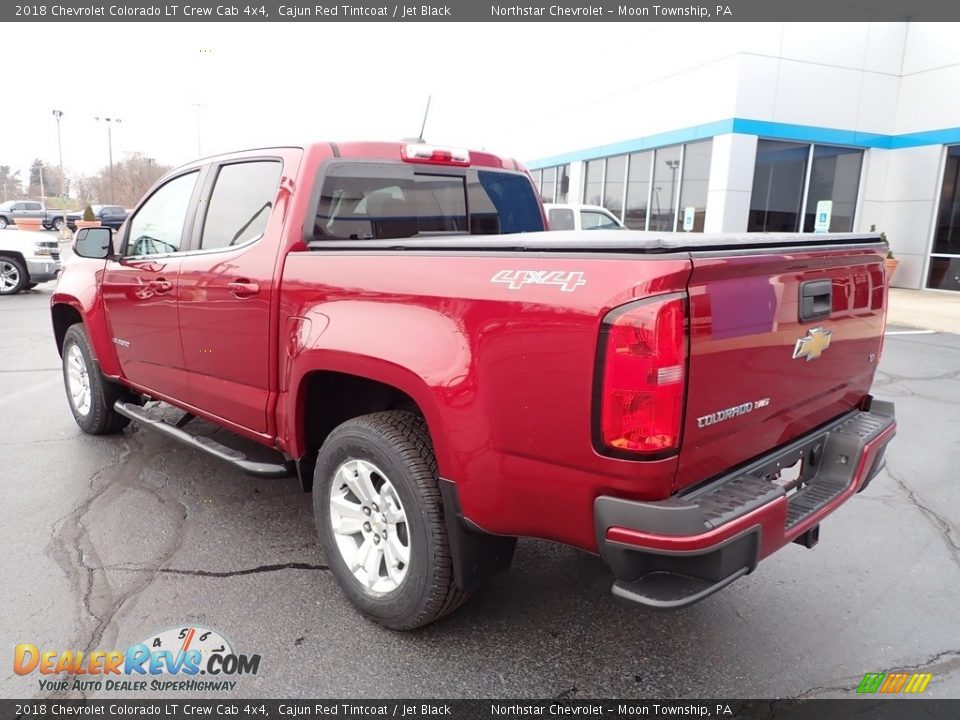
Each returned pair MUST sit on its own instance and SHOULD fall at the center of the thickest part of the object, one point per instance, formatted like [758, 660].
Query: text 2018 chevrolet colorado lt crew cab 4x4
[386, 319]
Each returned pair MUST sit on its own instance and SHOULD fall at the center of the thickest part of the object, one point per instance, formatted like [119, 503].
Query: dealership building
[798, 127]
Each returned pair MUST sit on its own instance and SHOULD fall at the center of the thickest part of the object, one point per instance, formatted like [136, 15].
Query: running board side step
[207, 445]
[666, 590]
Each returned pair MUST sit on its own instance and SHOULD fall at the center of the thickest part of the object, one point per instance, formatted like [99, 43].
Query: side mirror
[94, 243]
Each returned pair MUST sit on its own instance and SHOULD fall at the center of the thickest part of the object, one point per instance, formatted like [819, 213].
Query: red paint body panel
[744, 328]
[504, 377]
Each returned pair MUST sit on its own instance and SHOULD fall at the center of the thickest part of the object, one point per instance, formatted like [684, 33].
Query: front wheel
[3, 223]
[380, 518]
[13, 276]
[58, 224]
[90, 394]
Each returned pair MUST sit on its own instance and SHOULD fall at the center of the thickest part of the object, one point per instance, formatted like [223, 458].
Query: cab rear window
[375, 201]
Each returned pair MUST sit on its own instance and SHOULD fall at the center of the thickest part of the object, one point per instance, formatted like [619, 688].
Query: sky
[182, 90]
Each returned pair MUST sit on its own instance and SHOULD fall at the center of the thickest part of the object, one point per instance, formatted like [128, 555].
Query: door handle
[816, 299]
[160, 286]
[244, 288]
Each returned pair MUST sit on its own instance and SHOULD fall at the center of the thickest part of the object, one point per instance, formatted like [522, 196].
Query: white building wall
[874, 79]
[909, 205]
[731, 182]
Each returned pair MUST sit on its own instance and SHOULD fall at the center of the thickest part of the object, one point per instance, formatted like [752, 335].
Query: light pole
[110, 122]
[64, 232]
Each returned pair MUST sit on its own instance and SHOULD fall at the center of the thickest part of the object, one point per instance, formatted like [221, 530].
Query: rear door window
[240, 206]
[361, 201]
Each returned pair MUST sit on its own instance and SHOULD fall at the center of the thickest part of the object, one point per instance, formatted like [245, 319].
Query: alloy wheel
[78, 380]
[370, 526]
[9, 276]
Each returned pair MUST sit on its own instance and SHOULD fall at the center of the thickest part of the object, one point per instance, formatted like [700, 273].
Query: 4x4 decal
[516, 279]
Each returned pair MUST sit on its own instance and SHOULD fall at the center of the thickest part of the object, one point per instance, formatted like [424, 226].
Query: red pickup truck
[389, 322]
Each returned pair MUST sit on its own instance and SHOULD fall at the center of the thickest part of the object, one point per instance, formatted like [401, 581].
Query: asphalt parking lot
[107, 541]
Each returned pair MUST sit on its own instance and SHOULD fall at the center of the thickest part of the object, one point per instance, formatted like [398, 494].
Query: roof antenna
[425, 113]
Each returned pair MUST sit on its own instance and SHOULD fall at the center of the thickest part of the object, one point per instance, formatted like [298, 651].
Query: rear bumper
[675, 552]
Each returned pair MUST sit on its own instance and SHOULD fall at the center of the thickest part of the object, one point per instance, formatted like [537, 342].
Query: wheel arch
[328, 397]
[63, 316]
[66, 310]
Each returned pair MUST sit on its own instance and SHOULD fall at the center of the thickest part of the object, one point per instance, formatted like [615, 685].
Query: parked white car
[572, 216]
[26, 259]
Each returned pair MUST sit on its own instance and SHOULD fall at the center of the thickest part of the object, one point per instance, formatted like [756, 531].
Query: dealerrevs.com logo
[171, 660]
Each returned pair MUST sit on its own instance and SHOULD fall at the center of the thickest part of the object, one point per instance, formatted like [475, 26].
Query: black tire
[3, 222]
[58, 224]
[12, 268]
[100, 418]
[398, 443]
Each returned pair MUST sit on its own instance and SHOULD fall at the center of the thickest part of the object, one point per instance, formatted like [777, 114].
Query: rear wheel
[3, 222]
[13, 275]
[90, 394]
[380, 519]
[58, 224]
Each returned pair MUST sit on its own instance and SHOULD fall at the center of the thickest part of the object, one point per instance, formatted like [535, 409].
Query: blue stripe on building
[762, 128]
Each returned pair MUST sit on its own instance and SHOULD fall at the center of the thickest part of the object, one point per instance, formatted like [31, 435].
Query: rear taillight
[643, 375]
[435, 155]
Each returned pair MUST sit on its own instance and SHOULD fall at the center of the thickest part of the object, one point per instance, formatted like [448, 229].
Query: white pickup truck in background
[571, 216]
[26, 260]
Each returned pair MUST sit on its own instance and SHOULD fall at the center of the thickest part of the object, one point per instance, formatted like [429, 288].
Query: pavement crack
[39, 442]
[229, 573]
[947, 661]
[820, 689]
[940, 522]
[71, 547]
[942, 663]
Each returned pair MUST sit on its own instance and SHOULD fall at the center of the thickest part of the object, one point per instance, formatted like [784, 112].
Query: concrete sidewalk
[927, 309]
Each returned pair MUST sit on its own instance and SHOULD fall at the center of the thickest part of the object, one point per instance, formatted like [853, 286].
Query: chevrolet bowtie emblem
[813, 344]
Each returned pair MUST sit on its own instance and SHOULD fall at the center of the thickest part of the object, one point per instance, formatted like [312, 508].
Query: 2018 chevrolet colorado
[389, 321]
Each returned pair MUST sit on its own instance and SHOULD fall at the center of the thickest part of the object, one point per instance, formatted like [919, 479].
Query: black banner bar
[650, 11]
[862, 708]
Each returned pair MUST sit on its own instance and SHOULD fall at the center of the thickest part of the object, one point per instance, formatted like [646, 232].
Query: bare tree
[11, 186]
[132, 177]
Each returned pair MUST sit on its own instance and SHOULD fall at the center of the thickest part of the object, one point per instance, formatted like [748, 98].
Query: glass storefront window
[563, 183]
[946, 237]
[593, 182]
[638, 190]
[695, 182]
[666, 174]
[613, 184]
[944, 272]
[834, 175]
[549, 185]
[777, 186]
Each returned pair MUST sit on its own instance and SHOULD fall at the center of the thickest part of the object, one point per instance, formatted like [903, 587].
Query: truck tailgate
[781, 341]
